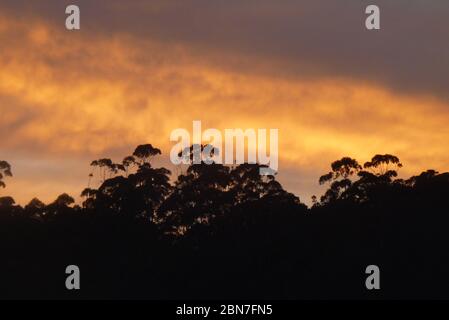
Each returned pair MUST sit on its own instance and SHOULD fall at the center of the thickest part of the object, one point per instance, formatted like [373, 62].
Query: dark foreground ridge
[222, 232]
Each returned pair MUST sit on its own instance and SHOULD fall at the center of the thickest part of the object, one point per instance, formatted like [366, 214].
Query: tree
[5, 171]
[199, 153]
[8, 207]
[371, 183]
[247, 184]
[343, 168]
[127, 163]
[383, 165]
[7, 202]
[138, 194]
[145, 152]
[107, 166]
[35, 209]
[198, 196]
[339, 177]
[104, 166]
[60, 206]
[64, 200]
[377, 180]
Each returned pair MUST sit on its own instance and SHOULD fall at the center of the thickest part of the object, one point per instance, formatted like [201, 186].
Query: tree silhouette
[380, 165]
[5, 171]
[144, 153]
[340, 178]
[198, 196]
[35, 209]
[377, 178]
[220, 231]
[134, 195]
[127, 163]
[105, 166]
[7, 202]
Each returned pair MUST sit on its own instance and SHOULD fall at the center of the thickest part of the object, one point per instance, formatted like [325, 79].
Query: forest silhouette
[226, 232]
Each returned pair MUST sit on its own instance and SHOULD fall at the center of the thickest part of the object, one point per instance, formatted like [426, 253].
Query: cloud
[289, 38]
[68, 97]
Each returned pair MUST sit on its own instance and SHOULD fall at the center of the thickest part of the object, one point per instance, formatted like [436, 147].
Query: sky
[136, 70]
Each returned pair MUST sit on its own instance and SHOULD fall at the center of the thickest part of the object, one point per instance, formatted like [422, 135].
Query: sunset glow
[67, 98]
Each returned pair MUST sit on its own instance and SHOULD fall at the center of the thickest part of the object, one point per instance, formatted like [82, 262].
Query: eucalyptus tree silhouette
[380, 165]
[241, 232]
[61, 206]
[35, 209]
[340, 178]
[197, 197]
[430, 185]
[343, 168]
[144, 153]
[376, 178]
[198, 153]
[5, 171]
[137, 194]
[127, 163]
[247, 184]
[424, 178]
[210, 190]
[376, 181]
[105, 166]
[7, 202]
[63, 200]
[8, 209]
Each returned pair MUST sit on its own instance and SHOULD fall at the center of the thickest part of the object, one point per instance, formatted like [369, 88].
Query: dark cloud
[291, 38]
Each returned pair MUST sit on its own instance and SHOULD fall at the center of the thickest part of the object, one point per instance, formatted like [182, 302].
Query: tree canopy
[217, 231]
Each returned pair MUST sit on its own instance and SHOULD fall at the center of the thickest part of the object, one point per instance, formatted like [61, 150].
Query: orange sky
[70, 97]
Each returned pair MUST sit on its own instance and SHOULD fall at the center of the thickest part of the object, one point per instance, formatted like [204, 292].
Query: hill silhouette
[228, 232]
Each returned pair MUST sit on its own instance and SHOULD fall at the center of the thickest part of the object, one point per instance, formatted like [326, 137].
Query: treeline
[227, 232]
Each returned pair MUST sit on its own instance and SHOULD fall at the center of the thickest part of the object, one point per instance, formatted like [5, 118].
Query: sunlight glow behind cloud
[68, 98]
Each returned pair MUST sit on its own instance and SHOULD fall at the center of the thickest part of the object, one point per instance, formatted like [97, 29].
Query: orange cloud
[68, 97]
